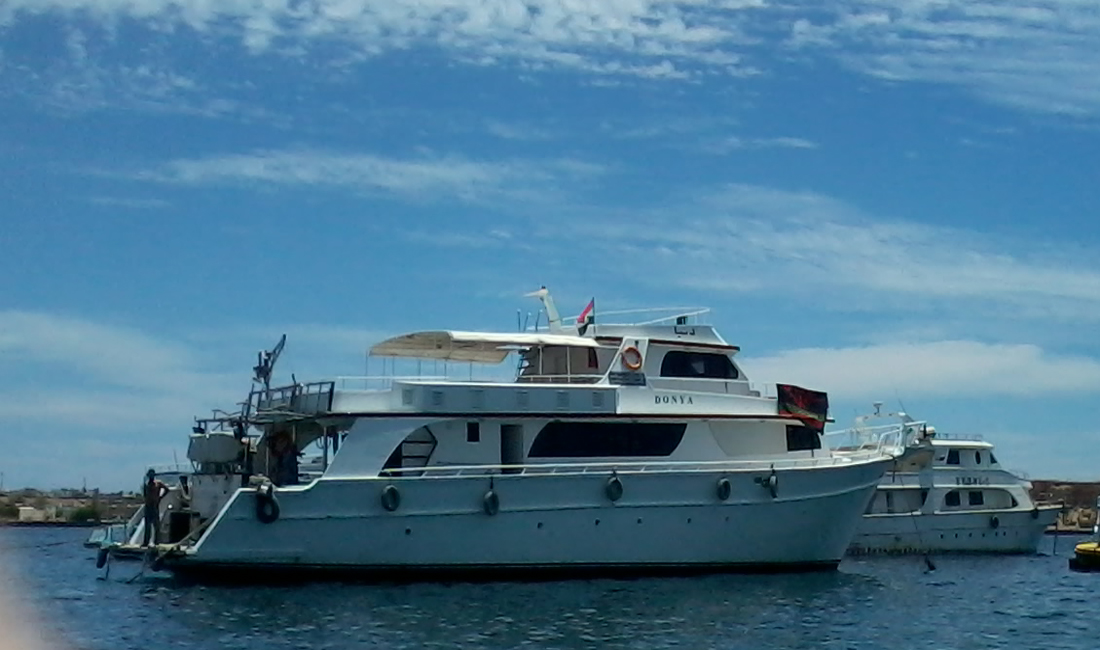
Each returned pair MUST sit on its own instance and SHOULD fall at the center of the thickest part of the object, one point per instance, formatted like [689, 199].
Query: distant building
[27, 513]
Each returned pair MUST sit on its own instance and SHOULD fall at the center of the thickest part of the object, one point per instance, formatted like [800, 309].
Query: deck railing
[747, 465]
[876, 437]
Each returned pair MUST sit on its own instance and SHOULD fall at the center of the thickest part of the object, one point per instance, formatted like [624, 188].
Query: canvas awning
[476, 347]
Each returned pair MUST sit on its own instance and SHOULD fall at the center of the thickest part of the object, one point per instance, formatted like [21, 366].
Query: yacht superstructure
[637, 447]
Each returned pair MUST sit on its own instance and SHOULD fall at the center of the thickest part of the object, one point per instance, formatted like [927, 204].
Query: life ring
[391, 498]
[491, 502]
[267, 506]
[632, 358]
[994, 522]
[724, 489]
[614, 488]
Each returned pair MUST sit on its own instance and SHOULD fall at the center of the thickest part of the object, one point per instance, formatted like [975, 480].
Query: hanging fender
[267, 506]
[994, 522]
[391, 498]
[769, 482]
[724, 489]
[491, 502]
[614, 488]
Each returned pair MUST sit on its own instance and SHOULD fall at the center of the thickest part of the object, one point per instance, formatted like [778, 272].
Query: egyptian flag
[587, 317]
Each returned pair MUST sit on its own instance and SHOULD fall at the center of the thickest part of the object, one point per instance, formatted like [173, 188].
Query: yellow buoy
[1086, 557]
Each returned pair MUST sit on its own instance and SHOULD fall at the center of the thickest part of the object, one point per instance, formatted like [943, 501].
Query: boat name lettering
[684, 331]
[672, 399]
[971, 480]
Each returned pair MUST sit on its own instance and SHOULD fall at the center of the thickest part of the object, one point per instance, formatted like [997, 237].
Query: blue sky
[881, 199]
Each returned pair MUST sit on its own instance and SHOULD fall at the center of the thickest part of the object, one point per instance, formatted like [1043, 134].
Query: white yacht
[944, 494]
[637, 448]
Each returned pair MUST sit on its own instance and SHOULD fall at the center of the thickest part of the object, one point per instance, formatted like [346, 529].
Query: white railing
[386, 382]
[876, 437]
[645, 316]
[825, 460]
[961, 437]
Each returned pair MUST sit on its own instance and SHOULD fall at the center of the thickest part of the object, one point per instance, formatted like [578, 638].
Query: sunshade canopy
[476, 347]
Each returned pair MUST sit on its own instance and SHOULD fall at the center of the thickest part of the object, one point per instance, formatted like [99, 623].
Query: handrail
[638, 466]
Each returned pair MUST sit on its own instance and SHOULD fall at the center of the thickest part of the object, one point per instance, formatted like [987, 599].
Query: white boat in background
[639, 448]
[943, 494]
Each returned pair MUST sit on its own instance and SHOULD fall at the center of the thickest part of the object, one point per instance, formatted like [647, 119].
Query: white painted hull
[1015, 531]
[665, 519]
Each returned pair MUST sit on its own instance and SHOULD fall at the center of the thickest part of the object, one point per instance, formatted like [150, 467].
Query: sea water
[881, 602]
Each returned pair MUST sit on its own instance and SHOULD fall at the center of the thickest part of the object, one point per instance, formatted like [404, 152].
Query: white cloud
[732, 143]
[80, 396]
[606, 37]
[932, 369]
[1032, 54]
[830, 254]
[427, 176]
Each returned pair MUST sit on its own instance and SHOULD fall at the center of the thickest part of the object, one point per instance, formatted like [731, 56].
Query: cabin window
[890, 502]
[598, 439]
[800, 438]
[977, 458]
[923, 497]
[992, 459]
[473, 432]
[952, 499]
[976, 498]
[593, 358]
[953, 457]
[698, 365]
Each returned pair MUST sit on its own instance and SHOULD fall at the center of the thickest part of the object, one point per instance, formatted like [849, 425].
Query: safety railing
[747, 465]
[886, 436]
[961, 437]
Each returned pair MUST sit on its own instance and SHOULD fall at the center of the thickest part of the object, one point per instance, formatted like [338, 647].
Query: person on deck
[153, 491]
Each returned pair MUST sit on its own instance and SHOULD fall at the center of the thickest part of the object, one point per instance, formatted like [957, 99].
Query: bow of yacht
[612, 447]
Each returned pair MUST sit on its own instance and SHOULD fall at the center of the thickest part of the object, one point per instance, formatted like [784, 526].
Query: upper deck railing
[643, 316]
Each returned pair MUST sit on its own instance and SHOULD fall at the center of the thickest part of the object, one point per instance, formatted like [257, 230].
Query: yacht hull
[664, 522]
[1016, 531]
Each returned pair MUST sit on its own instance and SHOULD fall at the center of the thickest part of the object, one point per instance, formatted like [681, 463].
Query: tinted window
[992, 458]
[953, 457]
[976, 498]
[977, 458]
[473, 432]
[800, 438]
[952, 499]
[596, 439]
[707, 365]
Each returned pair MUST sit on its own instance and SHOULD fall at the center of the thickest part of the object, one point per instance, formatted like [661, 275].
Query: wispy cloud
[952, 368]
[641, 38]
[129, 202]
[748, 238]
[733, 143]
[1034, 54]
[114, 398]
[424, 177]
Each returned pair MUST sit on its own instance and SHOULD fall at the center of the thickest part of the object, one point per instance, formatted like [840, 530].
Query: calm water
[968, 602]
